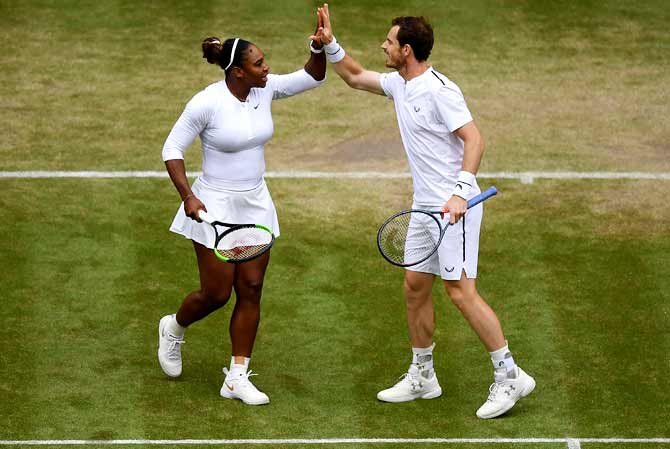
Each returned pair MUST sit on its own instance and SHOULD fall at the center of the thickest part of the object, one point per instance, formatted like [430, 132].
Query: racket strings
[244, 243]
[409, 238]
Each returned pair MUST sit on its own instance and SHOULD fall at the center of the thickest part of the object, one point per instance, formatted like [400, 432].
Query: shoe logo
[229, 387]
[416, 109]
[417, 387]
[449, 270]
[509, 390]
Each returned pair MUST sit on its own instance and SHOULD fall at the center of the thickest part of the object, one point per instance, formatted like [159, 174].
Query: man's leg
[420, 380]
[420, 311]
[511, 382]
[476, 311]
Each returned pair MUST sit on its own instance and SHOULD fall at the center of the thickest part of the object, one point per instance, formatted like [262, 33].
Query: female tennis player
[234, 121]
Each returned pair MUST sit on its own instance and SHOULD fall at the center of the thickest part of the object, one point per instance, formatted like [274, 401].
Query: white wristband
[315, 50]
[464, 184]
[334, 51]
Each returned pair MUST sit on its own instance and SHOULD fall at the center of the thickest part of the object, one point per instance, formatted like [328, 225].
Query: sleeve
[291, 84]
[387, 82]
[451, 107]
[190, 124]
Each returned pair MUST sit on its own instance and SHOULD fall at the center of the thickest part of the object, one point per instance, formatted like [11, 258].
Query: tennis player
[234, 121]
[444, 149]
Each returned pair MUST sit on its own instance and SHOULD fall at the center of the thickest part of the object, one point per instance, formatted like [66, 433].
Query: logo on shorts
[256, 107]
[449, 270]
[416, 109]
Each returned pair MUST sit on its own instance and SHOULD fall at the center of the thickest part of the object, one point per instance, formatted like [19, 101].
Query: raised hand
[326, 28]
[317, 36]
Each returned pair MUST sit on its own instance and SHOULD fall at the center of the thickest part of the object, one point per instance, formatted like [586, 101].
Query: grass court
[575, 268]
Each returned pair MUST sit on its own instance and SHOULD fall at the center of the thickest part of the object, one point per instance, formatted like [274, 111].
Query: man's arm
[473, 147]
[347, 68]
[357, 77]
[473, 150]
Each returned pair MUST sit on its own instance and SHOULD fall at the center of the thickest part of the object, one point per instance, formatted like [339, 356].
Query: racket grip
[204, 216]
[486, 194]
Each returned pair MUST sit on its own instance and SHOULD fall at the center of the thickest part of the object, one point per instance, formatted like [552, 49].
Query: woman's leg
[248, 285]
[216, 282]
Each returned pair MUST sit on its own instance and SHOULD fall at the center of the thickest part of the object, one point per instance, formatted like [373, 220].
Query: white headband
[232, 53]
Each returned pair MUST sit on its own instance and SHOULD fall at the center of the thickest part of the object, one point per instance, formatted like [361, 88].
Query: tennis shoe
[505, 393]
[169, 348]
[412, 385]
[240, 387]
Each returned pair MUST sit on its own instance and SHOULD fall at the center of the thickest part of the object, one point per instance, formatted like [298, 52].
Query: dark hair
[219, 53]
[417, 32]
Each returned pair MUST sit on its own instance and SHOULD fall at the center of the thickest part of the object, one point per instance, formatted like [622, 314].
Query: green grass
[576, 270]
[552, 85]
[584, 305]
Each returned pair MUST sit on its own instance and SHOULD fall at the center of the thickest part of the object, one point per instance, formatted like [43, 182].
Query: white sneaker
[169, 349]
[412, 385]
[240, 387]
[503, 395]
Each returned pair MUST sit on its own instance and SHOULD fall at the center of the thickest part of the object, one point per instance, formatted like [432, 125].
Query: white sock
[422, 360]
[503, 364]
[175, 328]
[236, 369]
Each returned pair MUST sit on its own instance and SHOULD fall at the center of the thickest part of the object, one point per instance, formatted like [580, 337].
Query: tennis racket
[412, 236]
[237, 243]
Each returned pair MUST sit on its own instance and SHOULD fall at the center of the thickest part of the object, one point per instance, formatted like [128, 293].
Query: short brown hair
[417, 32]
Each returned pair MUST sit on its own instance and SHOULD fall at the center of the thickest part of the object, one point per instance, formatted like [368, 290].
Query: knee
[216, 297]
[416, 295]
[457, 298]
[250, 288]
[461, 298]
[412, 289]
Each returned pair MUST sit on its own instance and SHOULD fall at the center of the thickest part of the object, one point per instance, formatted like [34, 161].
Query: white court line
[524, 177]
[572, 443]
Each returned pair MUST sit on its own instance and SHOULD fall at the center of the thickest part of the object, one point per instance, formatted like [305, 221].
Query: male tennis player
[444, 149]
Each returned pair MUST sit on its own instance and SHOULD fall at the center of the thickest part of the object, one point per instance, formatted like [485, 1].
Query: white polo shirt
[429, 108]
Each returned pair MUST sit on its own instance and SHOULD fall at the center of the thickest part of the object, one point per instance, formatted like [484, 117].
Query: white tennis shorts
[459, 249]
[227, 206]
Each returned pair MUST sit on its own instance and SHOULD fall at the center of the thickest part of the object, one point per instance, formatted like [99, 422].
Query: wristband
[334, 51]
[464, 184]
[315, 50]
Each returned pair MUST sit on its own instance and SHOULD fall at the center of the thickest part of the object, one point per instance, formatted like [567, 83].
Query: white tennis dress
[429, 109]
[233, 134]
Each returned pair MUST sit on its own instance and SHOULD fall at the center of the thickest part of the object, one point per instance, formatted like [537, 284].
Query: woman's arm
[177, 172]
[316, 64]
[191, 123]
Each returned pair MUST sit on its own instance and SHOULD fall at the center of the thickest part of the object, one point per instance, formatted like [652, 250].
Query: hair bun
[211, 49]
